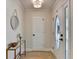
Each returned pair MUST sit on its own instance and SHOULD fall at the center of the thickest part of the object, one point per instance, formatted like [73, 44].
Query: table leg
[15, 54]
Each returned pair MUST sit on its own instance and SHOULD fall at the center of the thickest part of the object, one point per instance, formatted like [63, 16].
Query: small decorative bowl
[13, 44]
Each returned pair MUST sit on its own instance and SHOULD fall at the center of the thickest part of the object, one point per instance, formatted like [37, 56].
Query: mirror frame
[14, 22]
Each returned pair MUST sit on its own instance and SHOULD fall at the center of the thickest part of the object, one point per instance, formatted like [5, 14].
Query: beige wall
[46, 13]
[58, 9]
[11, 6]
[10, 34]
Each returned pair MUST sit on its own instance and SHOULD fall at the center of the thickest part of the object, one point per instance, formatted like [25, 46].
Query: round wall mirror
[14, 22]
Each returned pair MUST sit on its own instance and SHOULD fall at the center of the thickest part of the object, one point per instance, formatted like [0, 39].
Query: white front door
[38, 32]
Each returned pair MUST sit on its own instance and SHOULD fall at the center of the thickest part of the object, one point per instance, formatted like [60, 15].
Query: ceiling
[28, 4]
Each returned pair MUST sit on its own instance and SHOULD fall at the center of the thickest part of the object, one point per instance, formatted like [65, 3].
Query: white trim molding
[44, 49]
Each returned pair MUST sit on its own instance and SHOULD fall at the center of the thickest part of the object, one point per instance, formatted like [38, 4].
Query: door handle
[33, 34]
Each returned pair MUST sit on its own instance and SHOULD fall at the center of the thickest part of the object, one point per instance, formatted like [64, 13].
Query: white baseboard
[52, 50]
[44, 49]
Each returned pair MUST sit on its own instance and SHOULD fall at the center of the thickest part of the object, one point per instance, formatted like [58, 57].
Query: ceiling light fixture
[37, 3]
